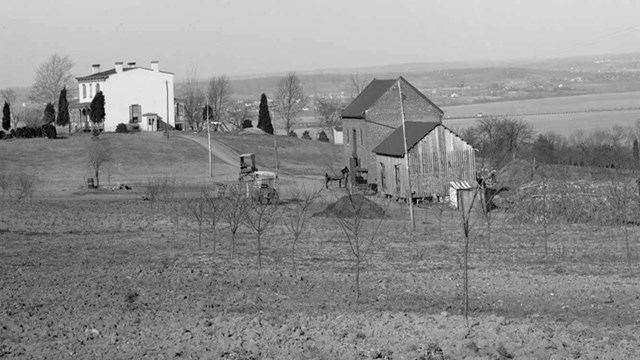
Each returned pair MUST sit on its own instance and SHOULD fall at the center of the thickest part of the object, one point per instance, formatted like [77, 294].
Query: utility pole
[275, 147]
[166, 121]
[406, 157]
[209, 138]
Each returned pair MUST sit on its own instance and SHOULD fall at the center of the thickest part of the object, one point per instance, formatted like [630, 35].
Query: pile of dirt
[349, 206]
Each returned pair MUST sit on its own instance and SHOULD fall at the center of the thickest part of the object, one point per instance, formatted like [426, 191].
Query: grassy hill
[60, 166]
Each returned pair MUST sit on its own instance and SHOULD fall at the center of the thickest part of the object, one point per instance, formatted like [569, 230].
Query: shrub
[163, 188]
[306, 135]
[322, 136]
[39, 132]
[293, 134]
[247, 124]
[1, 134]
[122, 128]
[49, 131]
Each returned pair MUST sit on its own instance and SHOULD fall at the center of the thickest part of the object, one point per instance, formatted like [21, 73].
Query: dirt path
[218, 150]
[229, 156]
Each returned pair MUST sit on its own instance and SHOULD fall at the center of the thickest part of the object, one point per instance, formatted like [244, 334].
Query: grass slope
[61, 165]
[295, 156]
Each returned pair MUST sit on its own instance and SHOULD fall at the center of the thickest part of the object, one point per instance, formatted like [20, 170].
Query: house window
[91, 91]
[134, 113]
[84, 91]
[97, 88]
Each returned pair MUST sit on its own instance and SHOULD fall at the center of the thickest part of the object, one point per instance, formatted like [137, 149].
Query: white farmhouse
[138, 96]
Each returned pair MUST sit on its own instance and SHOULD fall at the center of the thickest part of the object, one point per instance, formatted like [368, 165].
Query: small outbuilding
[437, 156]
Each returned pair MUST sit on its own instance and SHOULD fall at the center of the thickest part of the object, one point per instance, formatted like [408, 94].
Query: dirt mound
[350, 205]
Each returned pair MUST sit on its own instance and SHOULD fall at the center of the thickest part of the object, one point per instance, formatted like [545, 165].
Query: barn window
[361, 140]
[382, 177]
[346, 131]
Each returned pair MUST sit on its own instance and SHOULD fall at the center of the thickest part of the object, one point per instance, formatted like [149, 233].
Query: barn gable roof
[416, 131]
[374, 91]
[367, 98]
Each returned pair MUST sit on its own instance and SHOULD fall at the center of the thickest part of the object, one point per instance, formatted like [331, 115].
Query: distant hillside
[459, 83]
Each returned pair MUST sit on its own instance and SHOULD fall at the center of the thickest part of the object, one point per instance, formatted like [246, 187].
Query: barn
[437, 156]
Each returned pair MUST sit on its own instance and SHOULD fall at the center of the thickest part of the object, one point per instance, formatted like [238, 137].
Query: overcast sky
[241, 37]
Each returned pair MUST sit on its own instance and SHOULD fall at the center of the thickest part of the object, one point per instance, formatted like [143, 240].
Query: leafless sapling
[236, 207]
[216, 206]
[299, 213]
[466, 211]
[360, 233]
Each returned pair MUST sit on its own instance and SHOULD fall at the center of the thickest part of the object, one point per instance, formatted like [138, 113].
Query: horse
[343, 176]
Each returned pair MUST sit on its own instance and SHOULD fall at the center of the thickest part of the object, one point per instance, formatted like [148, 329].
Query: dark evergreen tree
[247, 124]
[636, 152]
[49, 114]
[264, 118]
[207, 111]
[306, 135]
[6, 116]
[63, 110]
[322, 136]
[96, 110]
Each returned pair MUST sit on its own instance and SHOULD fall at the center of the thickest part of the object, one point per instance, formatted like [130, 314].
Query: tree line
[502, 139]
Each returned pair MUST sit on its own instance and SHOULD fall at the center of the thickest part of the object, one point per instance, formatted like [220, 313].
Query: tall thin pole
[209, 139]
[166, 122]
[406, 158]
[275, 147]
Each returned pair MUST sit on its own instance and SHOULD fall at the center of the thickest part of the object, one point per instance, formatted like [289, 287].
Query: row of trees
[501, 139]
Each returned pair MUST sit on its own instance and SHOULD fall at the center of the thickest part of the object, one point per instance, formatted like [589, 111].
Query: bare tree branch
[289, 100]
[219, 97]
[193, 99]
[51, 77]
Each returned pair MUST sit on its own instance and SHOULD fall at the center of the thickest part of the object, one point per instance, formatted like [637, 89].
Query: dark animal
[343, 176]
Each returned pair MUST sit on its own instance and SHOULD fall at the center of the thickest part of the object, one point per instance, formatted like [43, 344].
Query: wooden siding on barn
[439, 158]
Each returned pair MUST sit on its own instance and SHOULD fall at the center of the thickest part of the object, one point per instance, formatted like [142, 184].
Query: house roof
[105, 74]
[416, 131]
[370, 95]
[367, 98]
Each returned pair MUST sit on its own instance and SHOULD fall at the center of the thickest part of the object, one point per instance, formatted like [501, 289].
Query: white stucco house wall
[130, 93]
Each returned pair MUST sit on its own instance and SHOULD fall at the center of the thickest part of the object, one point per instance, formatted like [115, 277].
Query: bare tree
[501, 138]
[329, 110]
[51, 77]
[261, 216]
[98, 152]
[360, 234]
[296, 221]
[466, 211]
[216, 206]
[238, 113]
[193, 100]
[289, 100]
[30, 116]
[219, 97]
[357, 83]
[197, 208]
[236, 208]
[9, 96]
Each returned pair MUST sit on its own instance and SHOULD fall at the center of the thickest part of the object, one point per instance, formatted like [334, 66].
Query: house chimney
[155, 66]
[118, 67]
[131, 64]
[95, 68]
